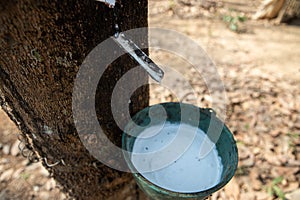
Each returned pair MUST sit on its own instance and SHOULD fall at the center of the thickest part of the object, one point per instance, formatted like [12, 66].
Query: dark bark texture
[42, 45]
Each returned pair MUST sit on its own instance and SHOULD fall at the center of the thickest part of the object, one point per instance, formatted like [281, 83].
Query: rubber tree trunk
[42, 46]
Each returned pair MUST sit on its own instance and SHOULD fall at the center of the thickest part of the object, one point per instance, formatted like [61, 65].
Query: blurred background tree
[284, 10]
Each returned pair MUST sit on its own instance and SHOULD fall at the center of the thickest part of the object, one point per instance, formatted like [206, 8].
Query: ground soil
[259, 66]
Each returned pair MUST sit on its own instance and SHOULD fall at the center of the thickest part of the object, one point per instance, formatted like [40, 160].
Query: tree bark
[42, 46]
[283, 10]
[289, 11]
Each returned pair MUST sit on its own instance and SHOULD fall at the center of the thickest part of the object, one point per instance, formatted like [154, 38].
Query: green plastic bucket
[204, 119]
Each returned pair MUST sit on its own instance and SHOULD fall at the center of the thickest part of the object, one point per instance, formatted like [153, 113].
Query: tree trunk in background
[42, 46]
[290, 10]
[284, 10]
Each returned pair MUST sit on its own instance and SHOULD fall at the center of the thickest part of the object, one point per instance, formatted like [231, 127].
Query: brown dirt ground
[260, 70]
